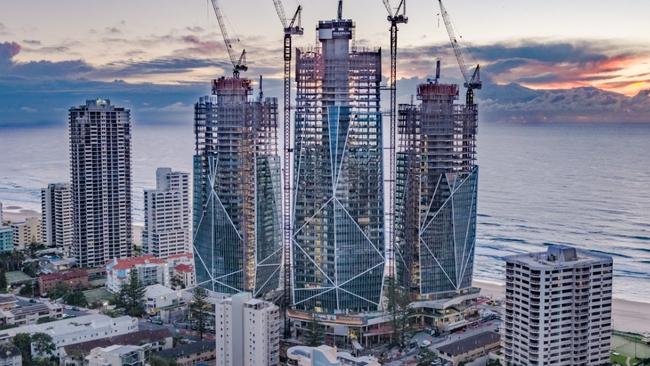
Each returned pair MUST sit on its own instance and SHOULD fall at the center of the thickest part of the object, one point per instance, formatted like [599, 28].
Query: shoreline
[627, 316]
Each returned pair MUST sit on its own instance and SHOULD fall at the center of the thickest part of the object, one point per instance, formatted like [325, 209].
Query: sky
[552, 60]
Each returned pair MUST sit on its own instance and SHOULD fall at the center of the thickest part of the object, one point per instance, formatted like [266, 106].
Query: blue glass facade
[436, 194]
[338, 222]
[237, 227]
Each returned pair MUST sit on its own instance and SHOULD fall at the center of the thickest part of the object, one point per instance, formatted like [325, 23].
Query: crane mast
[398, 17]
[290, 29]
[238, 64]
[472, 79]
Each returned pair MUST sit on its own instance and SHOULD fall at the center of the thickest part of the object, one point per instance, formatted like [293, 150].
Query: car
[425, 343]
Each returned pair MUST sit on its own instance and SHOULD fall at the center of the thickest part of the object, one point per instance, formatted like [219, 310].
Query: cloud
[112, 30]
[4, 31]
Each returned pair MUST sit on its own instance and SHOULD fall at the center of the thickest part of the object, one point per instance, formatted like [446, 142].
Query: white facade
[56, 216]
[116, 355]
[248, 332]
[76, 330]
[150, 270]
[558, 308]
[158, 297]
[167, 211]
[26, 232]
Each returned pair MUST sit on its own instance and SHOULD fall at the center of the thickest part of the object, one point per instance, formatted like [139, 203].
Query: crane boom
[239, 64]
[472, 79]
[280, 10]
[394, 18]
[290, 29]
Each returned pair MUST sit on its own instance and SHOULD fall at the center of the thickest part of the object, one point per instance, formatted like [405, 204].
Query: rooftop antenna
[340, 13]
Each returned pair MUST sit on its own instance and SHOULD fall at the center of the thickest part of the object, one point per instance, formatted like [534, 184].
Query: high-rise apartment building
[27, 232]
[100, 164]
[558, 308]
[237, 196]
[167, 212]
[436, 194]
[56, 216]
[248, 332]
[338, 212]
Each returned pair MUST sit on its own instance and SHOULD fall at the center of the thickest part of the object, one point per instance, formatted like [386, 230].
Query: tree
[75, 298]
[131, 295]
[43, 345]
[199, 309]
[11, 261]
[31, 269]
[23, 341]
[425, 357]
[159, 361]
[316, 335]
[3, 282]
[60, 290]
[398, 306]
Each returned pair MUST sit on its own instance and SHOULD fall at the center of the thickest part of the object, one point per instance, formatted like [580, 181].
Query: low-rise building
[157, 297]
[247, 329]
[183, 276]
[326, 356]
[116, 355]
[76, 330]
[469, 348]
[6, 239]
[27, 232]
[150, 270]
[190, 354]
[17, 311]
[10, 355]
[151, 341]
[75, 279]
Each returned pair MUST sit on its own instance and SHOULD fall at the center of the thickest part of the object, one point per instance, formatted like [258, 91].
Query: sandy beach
[628, 316]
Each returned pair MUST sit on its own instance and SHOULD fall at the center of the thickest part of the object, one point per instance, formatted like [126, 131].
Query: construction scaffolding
[237, 196]
[338, 221]
[436, 191]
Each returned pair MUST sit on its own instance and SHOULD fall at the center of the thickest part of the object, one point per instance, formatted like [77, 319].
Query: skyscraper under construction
[237, 223]
[338, 222]
[436, 193]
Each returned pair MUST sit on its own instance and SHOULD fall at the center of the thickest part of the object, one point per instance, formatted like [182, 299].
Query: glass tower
[237, 223]
[338, 221]
[436, 193]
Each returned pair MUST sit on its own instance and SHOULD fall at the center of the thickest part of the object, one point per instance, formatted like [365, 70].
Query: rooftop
[185, 268]
[157, 290]
[471, 343]
[188, 349]
[136, 338]
[64, 276]
[128, 263]
[560, 256]
[68, 326]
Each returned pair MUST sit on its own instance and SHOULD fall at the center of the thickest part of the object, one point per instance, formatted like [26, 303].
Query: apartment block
[26, 232]
[56, 216]
[100, 164]
[248, 332]
[558, 308]
[6, 239]
[167, 214]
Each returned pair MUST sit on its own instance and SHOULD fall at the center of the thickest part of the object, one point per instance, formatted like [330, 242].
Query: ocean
[586, 185]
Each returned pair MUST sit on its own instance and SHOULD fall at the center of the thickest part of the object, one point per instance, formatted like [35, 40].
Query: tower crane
[290, 29]
[238, 64]
[473, 78]
[394, 18]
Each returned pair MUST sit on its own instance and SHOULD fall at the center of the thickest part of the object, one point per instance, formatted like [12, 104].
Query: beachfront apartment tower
[558, 308]
[436, 194]
[167, 213]
[338, 212]
[100, 164]
[237, 219]
[56, 216]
